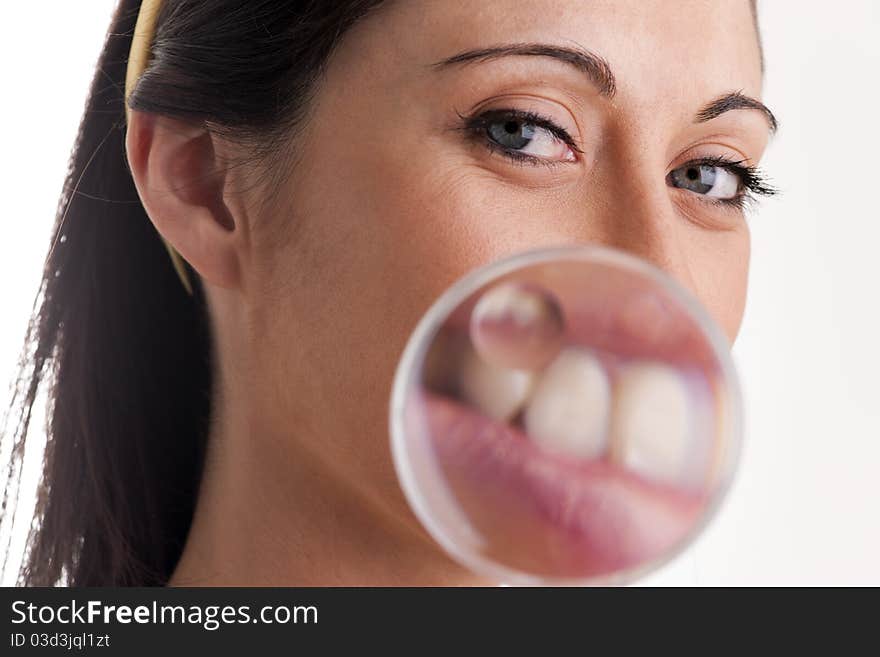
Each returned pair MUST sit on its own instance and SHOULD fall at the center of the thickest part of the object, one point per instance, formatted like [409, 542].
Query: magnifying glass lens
[565, 416]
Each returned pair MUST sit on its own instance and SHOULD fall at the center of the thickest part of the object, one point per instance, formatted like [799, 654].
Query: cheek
[373, 244]
[721, 272]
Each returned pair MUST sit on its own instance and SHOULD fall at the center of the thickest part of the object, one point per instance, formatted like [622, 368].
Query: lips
[548, 514]
[629, 318]
[583, 513]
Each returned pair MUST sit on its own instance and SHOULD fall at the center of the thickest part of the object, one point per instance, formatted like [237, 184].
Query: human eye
[525, 137]
[721, 181]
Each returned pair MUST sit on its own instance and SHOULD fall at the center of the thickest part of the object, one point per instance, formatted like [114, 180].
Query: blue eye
[523, 136]
[711, 180]
[720, 180]
[512, 134]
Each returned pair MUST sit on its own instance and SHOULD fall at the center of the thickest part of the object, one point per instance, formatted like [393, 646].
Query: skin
[315, 285]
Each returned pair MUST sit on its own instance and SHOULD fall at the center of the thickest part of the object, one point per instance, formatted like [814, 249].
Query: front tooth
[651, 422]
[497, 391]
[569, 407]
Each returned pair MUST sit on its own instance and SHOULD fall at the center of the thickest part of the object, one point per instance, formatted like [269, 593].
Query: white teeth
[499, 392]
[569, 407]
[651, 422]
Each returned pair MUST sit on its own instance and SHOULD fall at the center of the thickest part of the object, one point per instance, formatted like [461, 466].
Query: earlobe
[181, 183]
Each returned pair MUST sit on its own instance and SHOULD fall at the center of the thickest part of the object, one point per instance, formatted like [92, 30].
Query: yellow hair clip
[138, 58]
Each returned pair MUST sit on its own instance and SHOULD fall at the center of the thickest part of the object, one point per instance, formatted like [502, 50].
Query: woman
[326, 169]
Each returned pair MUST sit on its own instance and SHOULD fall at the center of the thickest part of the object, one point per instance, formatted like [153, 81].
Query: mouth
[549, 514]
[578, 503]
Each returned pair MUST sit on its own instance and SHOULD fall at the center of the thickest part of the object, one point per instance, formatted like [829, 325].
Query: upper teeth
[649, 425]
[569, 407]
[651, 421]
[499, 392]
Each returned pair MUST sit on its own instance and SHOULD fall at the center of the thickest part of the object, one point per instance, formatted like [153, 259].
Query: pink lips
[624, 321]
[550, 515]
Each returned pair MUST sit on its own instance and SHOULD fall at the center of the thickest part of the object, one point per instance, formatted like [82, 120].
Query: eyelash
[753, 181]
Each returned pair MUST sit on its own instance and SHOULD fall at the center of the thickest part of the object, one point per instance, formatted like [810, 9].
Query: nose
[637, 214]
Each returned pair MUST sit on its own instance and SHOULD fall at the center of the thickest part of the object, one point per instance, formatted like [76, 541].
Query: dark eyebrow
[735, 101]
[593, 66]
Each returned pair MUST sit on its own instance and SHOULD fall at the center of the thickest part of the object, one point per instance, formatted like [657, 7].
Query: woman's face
[392, 200]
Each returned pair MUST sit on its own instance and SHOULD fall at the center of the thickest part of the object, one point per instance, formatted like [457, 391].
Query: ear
[181, 184]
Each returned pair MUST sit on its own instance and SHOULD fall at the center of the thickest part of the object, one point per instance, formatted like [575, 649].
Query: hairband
[138, 58]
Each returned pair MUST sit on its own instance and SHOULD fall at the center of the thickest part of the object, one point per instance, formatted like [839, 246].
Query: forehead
[656, 48]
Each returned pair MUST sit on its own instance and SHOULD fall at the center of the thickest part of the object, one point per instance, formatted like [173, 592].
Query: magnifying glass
[565, 416]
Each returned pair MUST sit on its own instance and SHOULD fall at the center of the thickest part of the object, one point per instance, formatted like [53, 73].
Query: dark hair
[123, 351]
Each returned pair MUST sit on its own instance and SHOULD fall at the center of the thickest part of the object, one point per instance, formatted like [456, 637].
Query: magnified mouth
[573, 420]
[551, 514]
[593, 464]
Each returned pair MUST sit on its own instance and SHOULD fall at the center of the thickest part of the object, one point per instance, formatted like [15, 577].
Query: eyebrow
[596, 69]
[735, 101]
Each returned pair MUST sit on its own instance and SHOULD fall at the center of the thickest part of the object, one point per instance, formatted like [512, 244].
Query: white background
[805, 508]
